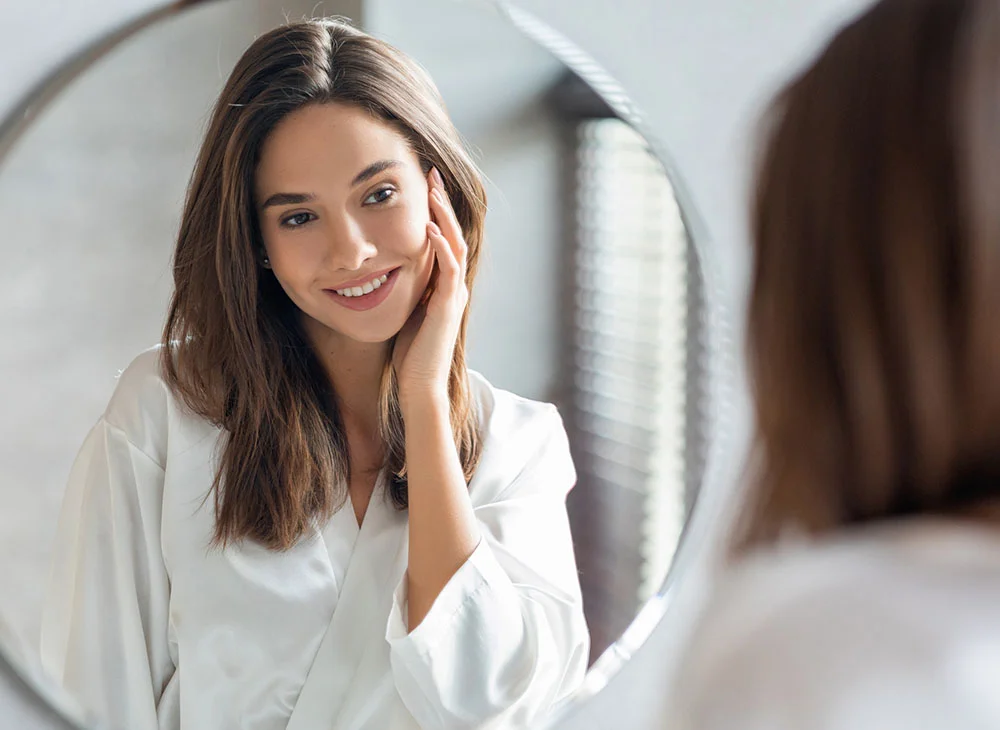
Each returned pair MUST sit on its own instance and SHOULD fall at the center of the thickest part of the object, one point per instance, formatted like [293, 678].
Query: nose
[349, 247]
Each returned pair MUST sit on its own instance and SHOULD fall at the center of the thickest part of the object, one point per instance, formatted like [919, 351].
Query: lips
[365, 301]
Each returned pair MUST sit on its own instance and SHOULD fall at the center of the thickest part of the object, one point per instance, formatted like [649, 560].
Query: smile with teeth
[359, 291]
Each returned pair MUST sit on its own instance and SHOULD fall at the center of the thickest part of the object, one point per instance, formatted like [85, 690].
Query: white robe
[151, 627]
[888, 627]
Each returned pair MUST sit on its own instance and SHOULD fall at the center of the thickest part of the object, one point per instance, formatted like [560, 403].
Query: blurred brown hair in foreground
[874, 319]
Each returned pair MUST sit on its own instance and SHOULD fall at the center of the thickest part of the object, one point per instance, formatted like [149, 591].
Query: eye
[297, 220]
[379, 196]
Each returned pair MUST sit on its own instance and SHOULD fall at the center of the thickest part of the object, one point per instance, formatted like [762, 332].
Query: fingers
[443, 250]
[450, 270]
[444, 214]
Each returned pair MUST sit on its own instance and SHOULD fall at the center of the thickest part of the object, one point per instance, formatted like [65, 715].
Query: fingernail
[434, 228]
[437, 176]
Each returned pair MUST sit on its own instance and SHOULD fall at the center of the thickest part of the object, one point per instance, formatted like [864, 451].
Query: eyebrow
[288, 199]
[298, 198]
[372, 170]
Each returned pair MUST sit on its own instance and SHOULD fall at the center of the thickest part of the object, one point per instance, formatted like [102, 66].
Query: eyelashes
[378, 197]
[297, 220]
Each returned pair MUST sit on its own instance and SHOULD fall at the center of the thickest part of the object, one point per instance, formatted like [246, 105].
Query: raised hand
[424, 348]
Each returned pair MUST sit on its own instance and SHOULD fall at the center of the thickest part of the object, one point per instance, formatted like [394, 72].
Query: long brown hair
[239, 356]
[874, 318]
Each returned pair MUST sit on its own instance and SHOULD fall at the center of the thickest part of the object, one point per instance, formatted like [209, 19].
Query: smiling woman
[313, 360]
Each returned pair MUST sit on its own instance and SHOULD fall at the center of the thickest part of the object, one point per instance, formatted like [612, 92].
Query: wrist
[420, 403]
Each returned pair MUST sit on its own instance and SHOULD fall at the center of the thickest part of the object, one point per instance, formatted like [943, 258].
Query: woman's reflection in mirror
[302, 509]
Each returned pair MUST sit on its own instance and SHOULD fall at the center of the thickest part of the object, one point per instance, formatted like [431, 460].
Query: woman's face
[343, 210]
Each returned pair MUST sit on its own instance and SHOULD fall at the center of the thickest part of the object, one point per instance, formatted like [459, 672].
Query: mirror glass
[588, 296]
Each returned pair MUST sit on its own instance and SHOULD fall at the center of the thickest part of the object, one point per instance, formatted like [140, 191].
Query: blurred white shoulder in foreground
[895, 627]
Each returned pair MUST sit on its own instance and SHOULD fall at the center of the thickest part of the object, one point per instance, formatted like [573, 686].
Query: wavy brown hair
[240, 357]
[874, 318]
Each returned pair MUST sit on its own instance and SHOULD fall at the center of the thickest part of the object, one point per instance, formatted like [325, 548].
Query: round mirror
[589, 294]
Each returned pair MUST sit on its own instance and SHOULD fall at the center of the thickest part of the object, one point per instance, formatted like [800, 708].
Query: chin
[371, 338]
[373, 334]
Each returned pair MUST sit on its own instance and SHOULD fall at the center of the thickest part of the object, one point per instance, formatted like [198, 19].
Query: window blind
[630, 372]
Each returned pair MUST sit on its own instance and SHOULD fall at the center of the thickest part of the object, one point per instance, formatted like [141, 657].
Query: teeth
[358, 291]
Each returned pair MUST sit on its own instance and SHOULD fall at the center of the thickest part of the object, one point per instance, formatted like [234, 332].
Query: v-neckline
[349, 503]
[376, 488]
[360, 521]
[343, 535]
[355, 636]
[349, 508]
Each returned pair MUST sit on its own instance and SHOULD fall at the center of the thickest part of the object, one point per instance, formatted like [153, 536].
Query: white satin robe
[152, 628]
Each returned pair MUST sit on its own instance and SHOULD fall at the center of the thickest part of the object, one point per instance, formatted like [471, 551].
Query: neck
[355, 372]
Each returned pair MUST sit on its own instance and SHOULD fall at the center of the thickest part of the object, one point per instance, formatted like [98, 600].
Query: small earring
[266, 263]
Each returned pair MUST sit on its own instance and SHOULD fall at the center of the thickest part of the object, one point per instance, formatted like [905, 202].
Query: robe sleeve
[505, 641]
[104, 624]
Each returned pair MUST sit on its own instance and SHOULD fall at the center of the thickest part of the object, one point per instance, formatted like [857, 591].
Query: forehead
[331, 141]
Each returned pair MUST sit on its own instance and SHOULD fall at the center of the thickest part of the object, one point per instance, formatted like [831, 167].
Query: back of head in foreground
[874, 357]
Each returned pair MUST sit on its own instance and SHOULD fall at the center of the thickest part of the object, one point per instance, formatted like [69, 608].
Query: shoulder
[825, 623]
[502, 413]
[519, 436]
[142, 404]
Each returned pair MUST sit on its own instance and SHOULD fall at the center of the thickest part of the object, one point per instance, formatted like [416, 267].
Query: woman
[302, 509]
[868, 579]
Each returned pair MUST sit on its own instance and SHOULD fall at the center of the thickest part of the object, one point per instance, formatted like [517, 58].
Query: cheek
[404, 229]
[293, 260]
